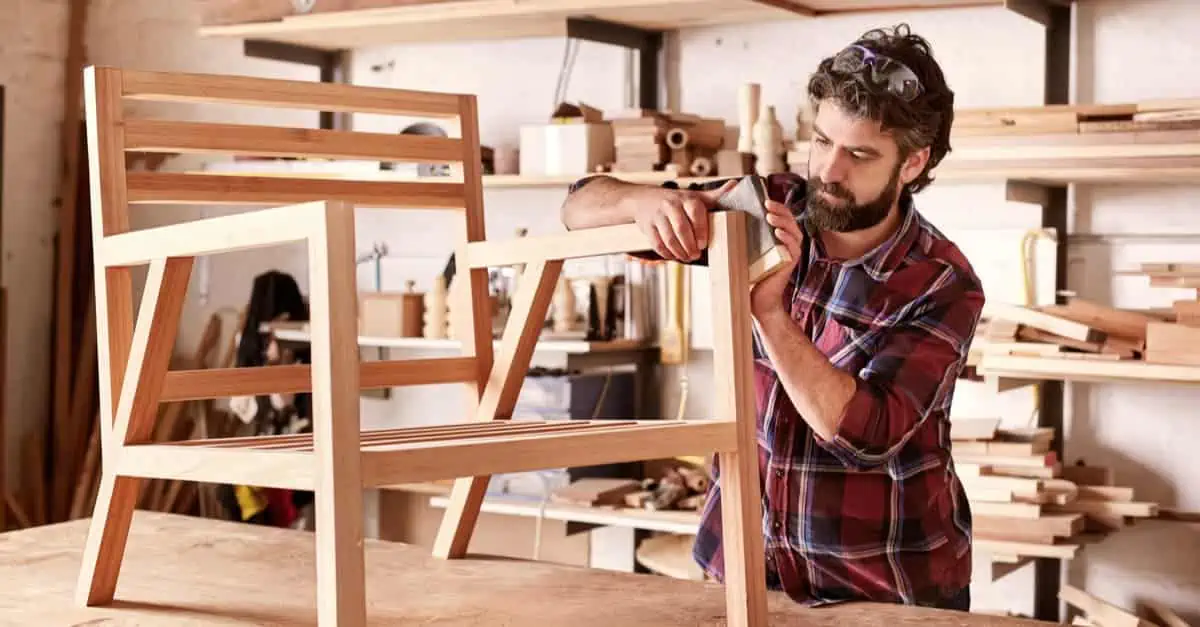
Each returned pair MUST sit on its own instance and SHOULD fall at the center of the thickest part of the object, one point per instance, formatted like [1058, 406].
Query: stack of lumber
[1079, 329]
[1025, 502]
[1096, 612]
[1153, 115]
[1175, 339]
[647, 140]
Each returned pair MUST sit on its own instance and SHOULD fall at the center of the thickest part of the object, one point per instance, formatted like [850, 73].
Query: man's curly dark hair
[923, 121]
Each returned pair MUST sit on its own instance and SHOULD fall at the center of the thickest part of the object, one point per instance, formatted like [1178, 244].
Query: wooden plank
[212, 138]
[1029, 549]
[290, 379]
[605, 240]
[1027, 511]
[274, 92]
[333, 299]
[429, 461]
[1079, 370]
[1171, 343]
[68, 198]
[1043, 321]
[221, 189]
[1113, 321]
[1106, 493]
[218, 12]
[204, 572]
[1060, 525]
[256, 229]
[1107, 508]
[973, 428]
[1099, 612]
[1161, 613]
[150, 354]
[741, 504]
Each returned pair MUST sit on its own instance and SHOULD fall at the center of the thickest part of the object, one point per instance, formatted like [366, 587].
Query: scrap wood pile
[1092, 611]
[1025, 502]
[670, 485]
[1081, 329]
[1151, 115]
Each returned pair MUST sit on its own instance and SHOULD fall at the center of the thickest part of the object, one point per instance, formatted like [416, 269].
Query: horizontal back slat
[205, 138]
[290, 379]
[271, 92]
[211, 189]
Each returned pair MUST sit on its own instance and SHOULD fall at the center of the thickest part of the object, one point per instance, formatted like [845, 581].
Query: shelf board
[570, 347]
[1115, 157]
[460, 20]
[1083, 370]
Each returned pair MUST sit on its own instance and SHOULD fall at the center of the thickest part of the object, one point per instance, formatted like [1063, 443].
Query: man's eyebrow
[867, 150]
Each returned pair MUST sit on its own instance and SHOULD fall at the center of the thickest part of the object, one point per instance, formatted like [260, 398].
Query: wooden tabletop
[182, 570]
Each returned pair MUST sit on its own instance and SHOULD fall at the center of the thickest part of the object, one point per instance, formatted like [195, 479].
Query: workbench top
[182, 570]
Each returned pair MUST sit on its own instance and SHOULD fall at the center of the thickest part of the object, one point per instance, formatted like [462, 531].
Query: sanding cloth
[763, 250]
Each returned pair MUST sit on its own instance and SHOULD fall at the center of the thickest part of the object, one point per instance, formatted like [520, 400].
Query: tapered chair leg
[741, 492]
[341, 576]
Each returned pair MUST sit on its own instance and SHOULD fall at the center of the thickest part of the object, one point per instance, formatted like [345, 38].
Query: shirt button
[778, 472]
[776, 525]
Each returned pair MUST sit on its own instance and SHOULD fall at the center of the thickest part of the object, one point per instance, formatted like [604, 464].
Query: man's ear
[914, 165]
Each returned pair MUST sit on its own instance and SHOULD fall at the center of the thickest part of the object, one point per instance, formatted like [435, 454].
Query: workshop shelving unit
[1041, 169]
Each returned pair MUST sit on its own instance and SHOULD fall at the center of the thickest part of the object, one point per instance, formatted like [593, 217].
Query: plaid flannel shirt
[877, 512]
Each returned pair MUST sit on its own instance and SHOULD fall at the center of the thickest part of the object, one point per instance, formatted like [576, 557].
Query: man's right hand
[677, 225]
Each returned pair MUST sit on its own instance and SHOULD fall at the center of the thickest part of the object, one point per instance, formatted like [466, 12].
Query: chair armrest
[604, 240]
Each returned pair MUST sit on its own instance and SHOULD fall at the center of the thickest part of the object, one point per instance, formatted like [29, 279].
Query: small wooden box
[570, 148]
[390, 314]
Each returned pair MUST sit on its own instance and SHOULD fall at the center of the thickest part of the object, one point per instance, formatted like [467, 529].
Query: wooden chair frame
[337, 461]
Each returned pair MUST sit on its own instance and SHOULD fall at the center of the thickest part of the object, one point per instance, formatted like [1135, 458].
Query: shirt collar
[883, 259]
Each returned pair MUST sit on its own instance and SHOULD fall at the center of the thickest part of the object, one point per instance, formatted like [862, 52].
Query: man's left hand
[766, 297]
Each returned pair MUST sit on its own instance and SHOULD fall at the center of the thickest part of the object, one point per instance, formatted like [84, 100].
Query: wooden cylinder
[748, 103]
[701, 166]
[677, 138]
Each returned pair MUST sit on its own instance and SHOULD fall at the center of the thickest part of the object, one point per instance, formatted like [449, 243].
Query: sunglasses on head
[897, 78]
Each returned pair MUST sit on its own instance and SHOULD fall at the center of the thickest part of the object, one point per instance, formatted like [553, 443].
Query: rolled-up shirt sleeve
[911, 374]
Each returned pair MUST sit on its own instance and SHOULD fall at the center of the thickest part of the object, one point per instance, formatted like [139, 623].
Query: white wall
[1131, 50]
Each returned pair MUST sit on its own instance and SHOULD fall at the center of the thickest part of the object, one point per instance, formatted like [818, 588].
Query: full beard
[851, 216]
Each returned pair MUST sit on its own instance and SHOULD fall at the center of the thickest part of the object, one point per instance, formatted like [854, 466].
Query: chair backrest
[112, 133]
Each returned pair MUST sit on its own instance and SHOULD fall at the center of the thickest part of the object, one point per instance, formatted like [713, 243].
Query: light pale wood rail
[606, 240]
[274, 141]
[221, 382]
[219, 189]
[245, 90]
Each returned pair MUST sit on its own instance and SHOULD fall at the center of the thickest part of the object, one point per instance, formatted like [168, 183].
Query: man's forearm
[604, 201]
[818, 390]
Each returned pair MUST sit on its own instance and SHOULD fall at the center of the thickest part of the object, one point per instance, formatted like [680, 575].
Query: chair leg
[741, 491]
[458, 521]
[149, 356]
[107, 535]
[341, 576]
[742, 541]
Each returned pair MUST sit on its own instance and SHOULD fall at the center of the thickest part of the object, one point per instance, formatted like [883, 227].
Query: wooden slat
[219, 189]
[374, 441]
[1043, 321]
[270, 469]
[290, 379]
[605, 240]
[1062, 525]
[534, 293]
[1099, 612]
[429, 461]
[447, 430]
[272, 92]
[267, 227]
[1031, 549]
[209, 138]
